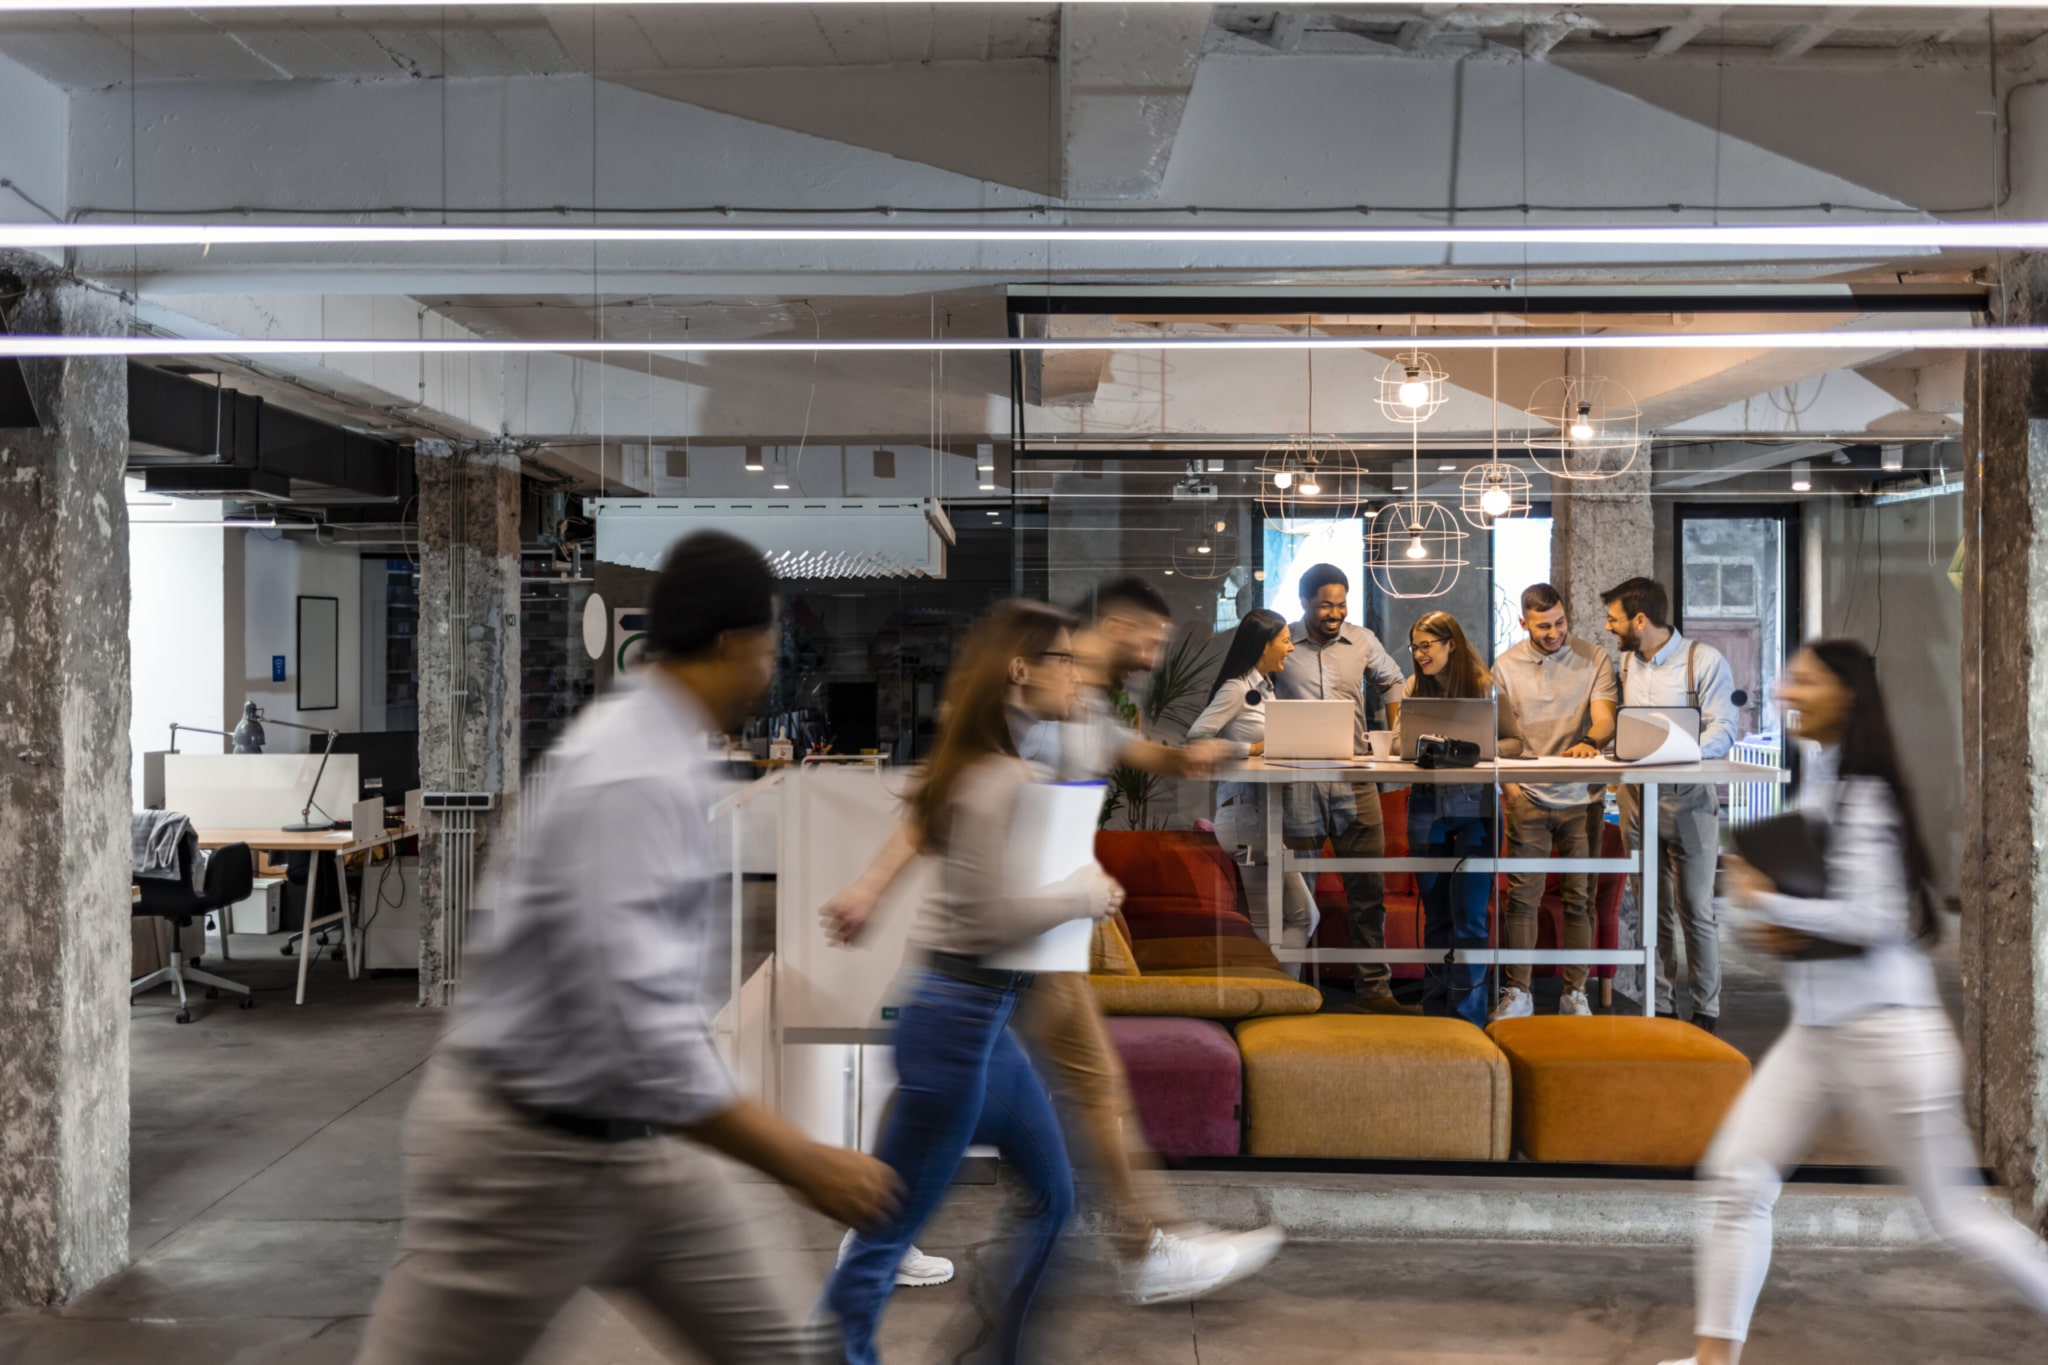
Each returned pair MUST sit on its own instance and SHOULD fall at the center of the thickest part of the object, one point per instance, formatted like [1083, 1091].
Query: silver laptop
[1311, 729]
[1637, 736]
[1472, 721]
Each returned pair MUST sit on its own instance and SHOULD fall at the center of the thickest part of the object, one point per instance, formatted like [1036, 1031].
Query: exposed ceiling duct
[801, 537]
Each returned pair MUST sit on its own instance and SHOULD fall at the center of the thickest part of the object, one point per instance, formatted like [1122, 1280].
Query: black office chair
[230, 875]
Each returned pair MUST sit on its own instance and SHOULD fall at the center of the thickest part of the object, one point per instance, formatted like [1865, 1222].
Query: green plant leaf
[1179, 684]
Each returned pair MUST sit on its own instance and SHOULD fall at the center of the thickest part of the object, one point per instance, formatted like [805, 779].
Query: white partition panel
[256, 791]
[834, 820]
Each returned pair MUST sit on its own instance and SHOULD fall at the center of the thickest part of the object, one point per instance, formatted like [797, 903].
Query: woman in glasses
[1868, 1035]
[1237, 713]
[1454, 820]
[963, 1077]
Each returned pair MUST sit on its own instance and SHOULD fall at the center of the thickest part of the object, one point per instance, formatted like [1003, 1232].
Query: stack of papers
[1052, 836]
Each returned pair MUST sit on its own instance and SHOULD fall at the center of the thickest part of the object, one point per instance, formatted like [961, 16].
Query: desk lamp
[253, 719]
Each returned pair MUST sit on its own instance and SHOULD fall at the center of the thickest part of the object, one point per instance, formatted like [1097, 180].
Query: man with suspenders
[1660, 667]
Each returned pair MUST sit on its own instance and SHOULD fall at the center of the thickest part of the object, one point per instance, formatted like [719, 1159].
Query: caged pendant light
[1411, 388]
[1496, 490]
[1586, 426]
[1312, 474]
[1415, 548]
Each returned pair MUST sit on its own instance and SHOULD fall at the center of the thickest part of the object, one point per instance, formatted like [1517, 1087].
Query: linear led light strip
[41, 6]
[1932, 338]
[2015, 236]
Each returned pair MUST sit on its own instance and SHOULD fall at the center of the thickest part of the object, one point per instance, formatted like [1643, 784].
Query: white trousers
[1240, 824]
[1900, 1072]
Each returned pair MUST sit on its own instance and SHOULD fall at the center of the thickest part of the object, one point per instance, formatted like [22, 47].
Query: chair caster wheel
[213, 992]
[337, 955]
[287, 951]
[184, 1016]
[246, 1003]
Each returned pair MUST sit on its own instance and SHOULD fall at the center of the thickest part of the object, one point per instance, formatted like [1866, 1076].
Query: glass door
[1738, 590]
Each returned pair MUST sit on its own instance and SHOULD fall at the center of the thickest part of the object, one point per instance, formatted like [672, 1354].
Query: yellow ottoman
[1618, 1088]
[1365, 1085]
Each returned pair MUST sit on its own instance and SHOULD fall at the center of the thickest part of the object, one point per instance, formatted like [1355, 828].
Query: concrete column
[1603, 531]
[64, 804]
[469, 662]
[2005, 751]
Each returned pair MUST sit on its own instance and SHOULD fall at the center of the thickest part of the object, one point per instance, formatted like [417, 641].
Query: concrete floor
[267, 1204]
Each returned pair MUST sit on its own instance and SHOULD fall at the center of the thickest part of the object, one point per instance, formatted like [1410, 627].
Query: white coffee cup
[1383, 748]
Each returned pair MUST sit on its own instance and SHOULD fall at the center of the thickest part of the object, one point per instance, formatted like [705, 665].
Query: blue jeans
[1453, 907]
[962, 1078]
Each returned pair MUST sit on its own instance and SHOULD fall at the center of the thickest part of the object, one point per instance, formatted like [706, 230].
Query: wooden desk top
[316, 841]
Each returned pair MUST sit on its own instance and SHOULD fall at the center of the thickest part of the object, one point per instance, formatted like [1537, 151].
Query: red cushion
[1177, 884]
[1187, 1083]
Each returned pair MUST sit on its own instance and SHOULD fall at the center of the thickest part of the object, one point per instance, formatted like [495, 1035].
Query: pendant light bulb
[1582, 429]
[1416, 549]
[1283, 478]
[1414, 392]
[1309, 487]
[1495, 501]
[1203, 548]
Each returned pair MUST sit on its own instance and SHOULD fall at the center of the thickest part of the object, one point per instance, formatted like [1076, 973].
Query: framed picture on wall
[319, 653]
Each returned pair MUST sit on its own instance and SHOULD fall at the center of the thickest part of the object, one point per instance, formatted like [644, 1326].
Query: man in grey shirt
[556, 1141]
[1563, 690]
[1333, 659]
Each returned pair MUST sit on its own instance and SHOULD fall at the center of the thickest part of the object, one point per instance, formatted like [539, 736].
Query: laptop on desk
[1452, 718]
[1311, 729]
[1638, 730]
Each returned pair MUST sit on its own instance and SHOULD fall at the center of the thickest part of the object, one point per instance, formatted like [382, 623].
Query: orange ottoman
[1618, 1088]
[1368, 1085]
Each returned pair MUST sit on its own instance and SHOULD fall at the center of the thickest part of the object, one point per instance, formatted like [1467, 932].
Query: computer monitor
[388, 760]
[1472, 720]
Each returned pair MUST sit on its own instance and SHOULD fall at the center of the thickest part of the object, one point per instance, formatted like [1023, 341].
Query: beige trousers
[506, 1219]
[1062, 1026]
[1533, 831]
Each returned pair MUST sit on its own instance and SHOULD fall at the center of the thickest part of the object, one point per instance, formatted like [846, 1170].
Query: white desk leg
[1653, 873]
[1276, 874]
[306, 926]
[348, 918]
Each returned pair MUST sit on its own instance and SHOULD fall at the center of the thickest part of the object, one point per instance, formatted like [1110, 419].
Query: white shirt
[1233, 716]
[1868, 902]
[1660, 681]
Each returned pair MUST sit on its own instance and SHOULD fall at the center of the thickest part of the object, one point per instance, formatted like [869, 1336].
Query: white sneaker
[1255, 1250]
[1514, 1004]
[917, 1271]
[1574, 1002]
[1176, 1268]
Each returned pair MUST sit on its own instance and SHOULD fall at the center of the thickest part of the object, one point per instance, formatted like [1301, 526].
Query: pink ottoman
[1186, 1080]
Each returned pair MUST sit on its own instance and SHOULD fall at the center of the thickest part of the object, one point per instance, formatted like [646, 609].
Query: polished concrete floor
[267, 1204]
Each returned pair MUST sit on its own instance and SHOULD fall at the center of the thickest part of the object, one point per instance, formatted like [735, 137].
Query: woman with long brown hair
[1454, 820]
[963, 1077]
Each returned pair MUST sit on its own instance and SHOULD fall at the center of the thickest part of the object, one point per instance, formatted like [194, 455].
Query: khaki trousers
[506, 1219]
[1533, 831]
[1062, 1025]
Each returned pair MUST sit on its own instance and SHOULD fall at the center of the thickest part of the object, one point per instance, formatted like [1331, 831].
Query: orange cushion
[1618, 1088]
[1110, 953]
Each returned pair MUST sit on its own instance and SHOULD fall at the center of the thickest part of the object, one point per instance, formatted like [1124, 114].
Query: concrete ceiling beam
[1125, 75]
[1807, 37]
[1685, 30]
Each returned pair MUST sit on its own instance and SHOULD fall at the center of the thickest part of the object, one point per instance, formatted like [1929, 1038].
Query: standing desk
[341, 843]
[1604, 772]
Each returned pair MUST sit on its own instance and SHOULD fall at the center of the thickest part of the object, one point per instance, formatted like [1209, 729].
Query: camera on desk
[1437, 751]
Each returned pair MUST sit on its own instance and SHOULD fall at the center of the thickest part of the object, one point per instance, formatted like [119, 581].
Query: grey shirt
[975, 906]
[1323, 672]
[596, 930]
[1085, 747]
[1553, 695]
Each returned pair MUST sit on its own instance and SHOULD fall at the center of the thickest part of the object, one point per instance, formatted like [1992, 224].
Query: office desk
[342, 843]
[1603, 772]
